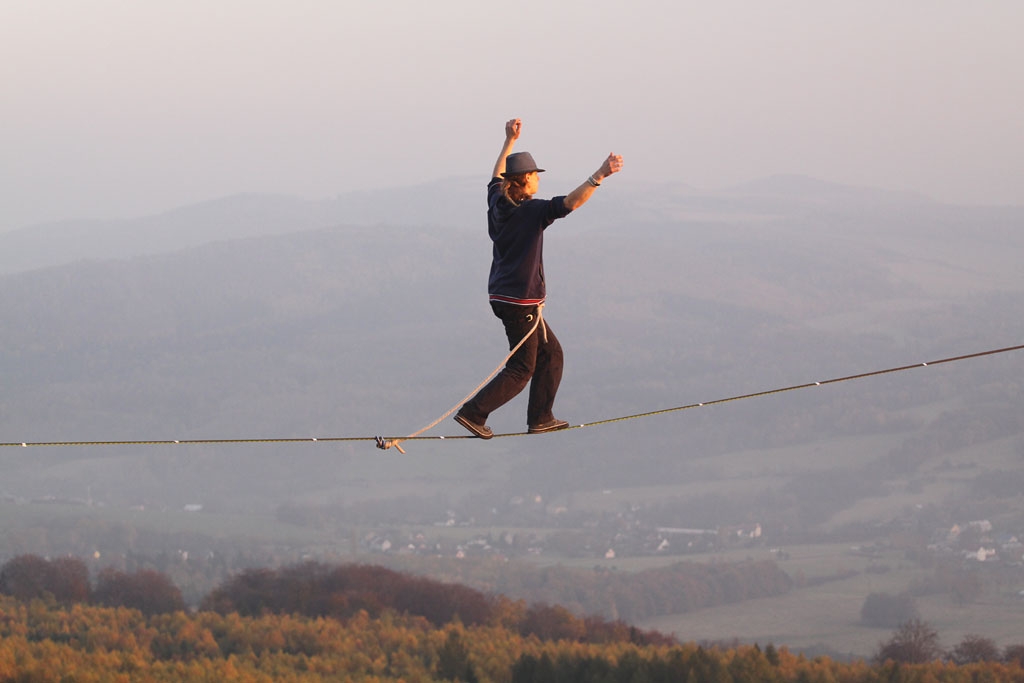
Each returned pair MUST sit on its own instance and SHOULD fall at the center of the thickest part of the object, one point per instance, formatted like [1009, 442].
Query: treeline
[318, 590]
[196, 562]
[530, 600]
[916, 642]
[746, 664]
[44, 641]
[65, 580]
[200, 564]
[313, 590]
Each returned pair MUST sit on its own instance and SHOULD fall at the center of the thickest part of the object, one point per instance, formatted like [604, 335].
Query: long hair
[514, 188]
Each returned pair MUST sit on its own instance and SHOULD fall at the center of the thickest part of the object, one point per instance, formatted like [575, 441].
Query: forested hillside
[363, 623]
[236, 580]
[40, 642]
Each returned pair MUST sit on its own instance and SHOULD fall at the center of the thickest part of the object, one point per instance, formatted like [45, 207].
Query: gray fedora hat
[519, 163]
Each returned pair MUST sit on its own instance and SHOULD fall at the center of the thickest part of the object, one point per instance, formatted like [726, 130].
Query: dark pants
[535, 360]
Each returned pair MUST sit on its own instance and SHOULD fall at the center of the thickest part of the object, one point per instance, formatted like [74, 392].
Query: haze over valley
[272, 317]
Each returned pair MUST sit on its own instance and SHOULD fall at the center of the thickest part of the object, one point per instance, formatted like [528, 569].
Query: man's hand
[613, 164]
[512, 129]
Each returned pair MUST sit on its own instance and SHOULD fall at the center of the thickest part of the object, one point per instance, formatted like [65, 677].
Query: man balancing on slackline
[516, 223]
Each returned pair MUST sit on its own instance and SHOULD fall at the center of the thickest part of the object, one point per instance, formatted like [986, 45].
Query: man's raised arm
[579, 196]
[512, 129]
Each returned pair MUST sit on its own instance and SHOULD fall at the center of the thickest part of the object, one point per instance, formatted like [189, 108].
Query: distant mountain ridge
[227, 218]
[456, 203]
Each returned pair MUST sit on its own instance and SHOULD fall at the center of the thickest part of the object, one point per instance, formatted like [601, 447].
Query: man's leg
[547, 376]
[513, 378]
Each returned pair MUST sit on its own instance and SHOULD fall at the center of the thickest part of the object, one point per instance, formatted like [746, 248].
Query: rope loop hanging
[385, 444]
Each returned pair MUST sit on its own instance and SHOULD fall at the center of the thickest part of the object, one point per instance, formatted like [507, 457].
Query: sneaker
[549, 426]
[483, 431]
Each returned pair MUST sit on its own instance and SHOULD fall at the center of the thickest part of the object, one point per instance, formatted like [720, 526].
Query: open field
[827, 615]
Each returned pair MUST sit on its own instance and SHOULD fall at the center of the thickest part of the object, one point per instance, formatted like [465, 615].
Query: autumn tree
[146, 590]
[1014, 653]
[531, 669]
[974, 648]
[453, 662]
[551, 622]
[439, 602]
[70, 578]
[27, 577]
[914, 642]
[316, 589]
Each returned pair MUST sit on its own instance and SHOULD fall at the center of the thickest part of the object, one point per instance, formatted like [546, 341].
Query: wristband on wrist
[593, 182]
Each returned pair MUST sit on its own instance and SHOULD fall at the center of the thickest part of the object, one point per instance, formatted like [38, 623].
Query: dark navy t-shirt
[517, 267]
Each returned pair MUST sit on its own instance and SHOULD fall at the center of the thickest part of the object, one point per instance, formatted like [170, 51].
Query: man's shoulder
[493, 190]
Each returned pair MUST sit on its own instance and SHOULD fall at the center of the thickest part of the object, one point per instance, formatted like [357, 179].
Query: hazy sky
[115, 108]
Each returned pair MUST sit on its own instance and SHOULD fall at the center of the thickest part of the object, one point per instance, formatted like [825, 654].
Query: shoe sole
[481, 431]
[551, 428]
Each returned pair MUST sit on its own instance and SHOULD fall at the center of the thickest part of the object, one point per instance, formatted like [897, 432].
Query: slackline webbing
[380, 441]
